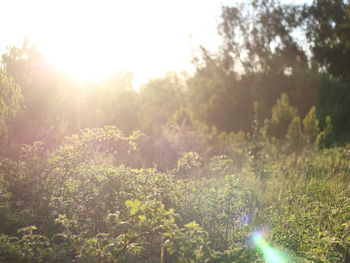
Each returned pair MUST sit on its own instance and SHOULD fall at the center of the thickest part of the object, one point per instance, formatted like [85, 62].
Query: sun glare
[94, 39]
[90, 40]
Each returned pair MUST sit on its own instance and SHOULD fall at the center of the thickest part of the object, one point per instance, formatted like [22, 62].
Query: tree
[258, 36]
[217, 98]
[260, 58]
[311, 126]
[334, 101]
[39, 86]
[113, 102]
[282, 115]
[160, 98]
[328, 30]
[10, 99]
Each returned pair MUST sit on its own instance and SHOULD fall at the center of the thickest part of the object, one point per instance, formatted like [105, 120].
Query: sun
[88, 41]
[85, 59]
[91, 39]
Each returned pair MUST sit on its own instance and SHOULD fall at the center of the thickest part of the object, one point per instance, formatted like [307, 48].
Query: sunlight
[89, 40]
[105, 39]
[115, 148]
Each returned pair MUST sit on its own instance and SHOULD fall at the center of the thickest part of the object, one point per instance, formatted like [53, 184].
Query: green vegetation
[65, 205]
[189, 168]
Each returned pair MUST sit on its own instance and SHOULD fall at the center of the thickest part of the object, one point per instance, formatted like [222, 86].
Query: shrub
[282, 115]
[311, 126]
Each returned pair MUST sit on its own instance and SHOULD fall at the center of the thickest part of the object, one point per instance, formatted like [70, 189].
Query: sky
[91, 39]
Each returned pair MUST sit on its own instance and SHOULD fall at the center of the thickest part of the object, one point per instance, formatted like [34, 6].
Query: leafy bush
[282, 115]
[68, 205]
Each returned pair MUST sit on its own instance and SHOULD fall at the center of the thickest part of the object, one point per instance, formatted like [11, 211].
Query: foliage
[333, 101]
[188, 163]
[220, 163]
[114, 102]
[261, 37]
[310, 126]
[325, 137]
[155, 112]
[87, 212]
[328, 25]
[254, 139]
[38, 85]
[282, 115]
[10, 99]
[65, 205]
[294, 135]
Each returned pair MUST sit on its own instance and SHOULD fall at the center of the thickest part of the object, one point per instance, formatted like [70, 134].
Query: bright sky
[90, 39]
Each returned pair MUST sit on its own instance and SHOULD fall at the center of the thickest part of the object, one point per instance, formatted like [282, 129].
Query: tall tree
[258, 36]
[328, 30]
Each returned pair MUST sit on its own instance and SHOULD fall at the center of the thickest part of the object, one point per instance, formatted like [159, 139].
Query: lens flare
[270, 254]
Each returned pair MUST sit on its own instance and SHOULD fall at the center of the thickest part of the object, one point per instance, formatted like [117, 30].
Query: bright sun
[90, 39]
